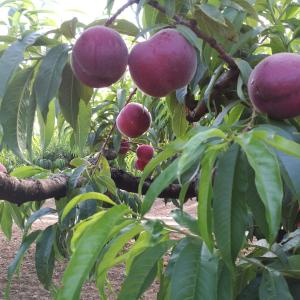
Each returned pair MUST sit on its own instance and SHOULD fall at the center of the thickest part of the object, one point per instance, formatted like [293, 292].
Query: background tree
[209, 142]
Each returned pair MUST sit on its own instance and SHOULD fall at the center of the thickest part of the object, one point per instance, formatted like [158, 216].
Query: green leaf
[30, 123]
[11, 58]
[194, 274]
[244, 68]
[229, 206]
[166, 177]
[68, 28]
[204, 209]
[247, 6]
[83, 197]
[195, 147]
[89, 245]
[44, 256]
[185, 220]
[6, 220]
[273, 286]
[267, 179]
[26, 171]
[113, 248]
[168, 152]
[121, 25]
[142, 266]
[37, 215]
[69, 96]
[170, 7]
[13, 112]
[48, 78]
[278, 142]
[83, 128]
[15, 264]
[190, 35]
[253, 200]
[47, 128]
[178, 115]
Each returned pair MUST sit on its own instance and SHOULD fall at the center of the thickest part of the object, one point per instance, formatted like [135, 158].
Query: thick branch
[19, 191]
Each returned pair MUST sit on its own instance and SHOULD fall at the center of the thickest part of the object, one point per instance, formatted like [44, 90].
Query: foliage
[244, 164]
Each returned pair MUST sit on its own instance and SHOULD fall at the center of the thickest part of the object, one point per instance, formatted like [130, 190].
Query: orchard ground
[27, 286]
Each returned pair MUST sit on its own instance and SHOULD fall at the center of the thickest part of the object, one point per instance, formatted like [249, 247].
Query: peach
[140, 164]
[274, 86]
[164, 63]
[124, 147]
[99, 57]
[133, 120]
[145, 152]
[2, 168]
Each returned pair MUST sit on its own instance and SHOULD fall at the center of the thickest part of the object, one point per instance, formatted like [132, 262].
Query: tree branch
[192, 24]
[20, 191]
[195, 113]
[119, 11]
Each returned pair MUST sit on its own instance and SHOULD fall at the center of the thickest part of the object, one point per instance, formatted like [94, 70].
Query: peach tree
[192, 100]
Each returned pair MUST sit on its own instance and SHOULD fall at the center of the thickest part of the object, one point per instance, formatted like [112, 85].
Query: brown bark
[20, 191]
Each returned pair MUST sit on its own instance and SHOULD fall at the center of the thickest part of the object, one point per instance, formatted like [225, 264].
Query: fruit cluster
[162, 64]
[167, 62]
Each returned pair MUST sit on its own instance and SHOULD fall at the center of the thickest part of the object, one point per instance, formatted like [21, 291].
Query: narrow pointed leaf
[11, 58]
[13, 112]
[267, 179]
[140, 270]
[230, 211]
[44, 256]
[49, 77]
[87, 249]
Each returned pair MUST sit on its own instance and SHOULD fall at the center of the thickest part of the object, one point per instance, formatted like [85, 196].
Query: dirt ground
[27, 286]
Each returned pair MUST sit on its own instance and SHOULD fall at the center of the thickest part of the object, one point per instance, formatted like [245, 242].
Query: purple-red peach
[145, 152]
[140, 164]
[274, 86]
[99, 57]
[124, 147]
[164, 63]
[133, 120]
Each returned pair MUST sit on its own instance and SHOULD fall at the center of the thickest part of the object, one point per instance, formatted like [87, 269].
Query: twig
[119, 11]
[223, 81]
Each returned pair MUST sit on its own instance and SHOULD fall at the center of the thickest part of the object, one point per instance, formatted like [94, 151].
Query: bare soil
[27, 286]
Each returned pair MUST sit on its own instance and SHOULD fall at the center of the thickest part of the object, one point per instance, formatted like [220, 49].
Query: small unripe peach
[124, 147]
[274, 85]
[140, 164]
[145, 152]
[133, 120]
[99, 57]
[2, 168]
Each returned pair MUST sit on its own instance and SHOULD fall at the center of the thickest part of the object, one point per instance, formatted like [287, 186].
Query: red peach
[99, 57]
[164, 63]
[274, 85]
[140, 164]
[124, 147]
[145, 152]
[133, 120]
